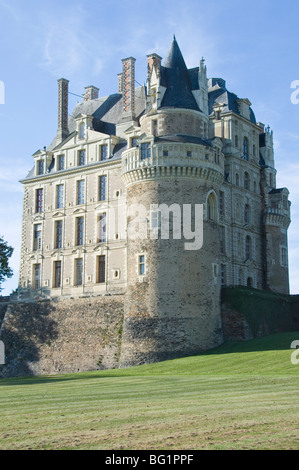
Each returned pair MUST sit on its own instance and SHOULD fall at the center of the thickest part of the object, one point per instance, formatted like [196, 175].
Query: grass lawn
[238, 396]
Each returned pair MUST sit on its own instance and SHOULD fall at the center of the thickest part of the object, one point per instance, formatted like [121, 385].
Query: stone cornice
[71, 171]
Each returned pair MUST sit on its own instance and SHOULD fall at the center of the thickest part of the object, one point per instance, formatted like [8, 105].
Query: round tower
[172, 305]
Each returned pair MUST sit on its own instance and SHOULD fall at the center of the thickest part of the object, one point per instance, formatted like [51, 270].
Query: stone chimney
[128, 85]
[91, 93]
[63, 128]
[154, 60]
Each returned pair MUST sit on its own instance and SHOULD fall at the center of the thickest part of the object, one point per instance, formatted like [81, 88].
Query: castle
[180, 143]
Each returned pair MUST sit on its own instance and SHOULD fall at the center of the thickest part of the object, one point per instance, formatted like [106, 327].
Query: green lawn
[238, 396]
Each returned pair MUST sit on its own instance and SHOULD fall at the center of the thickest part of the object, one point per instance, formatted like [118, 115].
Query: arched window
[245, 148]
[212, 207]
[82, 130]
[248, 247]
[247, 214]
[246, 180]
[249, 282]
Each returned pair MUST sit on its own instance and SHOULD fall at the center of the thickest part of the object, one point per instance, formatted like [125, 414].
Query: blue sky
[253, 45]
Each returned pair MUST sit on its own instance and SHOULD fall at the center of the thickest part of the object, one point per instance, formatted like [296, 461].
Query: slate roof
[219, 93]
[186, 139]
[106, 111]
[178, 81]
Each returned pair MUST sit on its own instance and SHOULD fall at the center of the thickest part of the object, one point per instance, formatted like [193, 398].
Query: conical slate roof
[176, 78]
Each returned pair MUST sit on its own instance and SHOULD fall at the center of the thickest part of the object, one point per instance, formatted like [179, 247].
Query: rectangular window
[155, 127]
[221, 204]
[36, 276]
[79, 272]
[222, 239]
[141, 265]
[80, 231]
[81, 158]
[80, 192]
[37, 243]
[102, 228]
[59, 196]
[57, 273]
[104, 152]
[101, 274]
[102, 188]
[58, 234]
[134, 142]
[61, 162]
[223, 275]
[145, 150]
[39, 196]
[40, 167]
[189, 153]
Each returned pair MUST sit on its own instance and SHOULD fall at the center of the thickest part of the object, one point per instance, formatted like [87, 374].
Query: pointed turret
[178, 92]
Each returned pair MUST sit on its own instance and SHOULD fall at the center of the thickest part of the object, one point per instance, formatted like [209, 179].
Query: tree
[5, 253]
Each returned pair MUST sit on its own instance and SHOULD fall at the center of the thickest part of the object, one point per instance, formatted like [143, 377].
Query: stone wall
[47, 337]
[174, 308]
[250, 313]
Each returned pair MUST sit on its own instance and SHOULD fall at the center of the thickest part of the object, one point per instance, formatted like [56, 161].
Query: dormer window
[82, 130]
[61, 162]
[134, 142]
[104, 152]
[40, 167]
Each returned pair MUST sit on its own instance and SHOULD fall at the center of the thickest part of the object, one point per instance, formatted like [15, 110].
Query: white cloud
[67, 44]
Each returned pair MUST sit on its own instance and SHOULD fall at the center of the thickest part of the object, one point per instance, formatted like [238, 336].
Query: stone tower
[172, 305]
[276, 219]
[155, 197]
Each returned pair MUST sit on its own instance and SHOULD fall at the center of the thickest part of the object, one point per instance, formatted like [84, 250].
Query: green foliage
[5, 253]
[263, 310]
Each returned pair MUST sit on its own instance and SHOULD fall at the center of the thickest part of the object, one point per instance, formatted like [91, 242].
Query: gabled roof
[176, 78]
